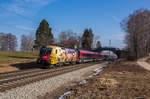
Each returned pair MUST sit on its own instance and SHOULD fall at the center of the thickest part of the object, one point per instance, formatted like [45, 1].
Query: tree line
[68, 38]
[137, 39]
[137, 29]
[8, 42]
[44, 36]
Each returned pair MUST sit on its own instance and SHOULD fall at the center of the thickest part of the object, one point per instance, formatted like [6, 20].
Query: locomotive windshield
[45, 51]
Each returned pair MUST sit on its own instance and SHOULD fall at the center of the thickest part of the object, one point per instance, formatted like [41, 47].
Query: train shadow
[28, 65]
[21, 57]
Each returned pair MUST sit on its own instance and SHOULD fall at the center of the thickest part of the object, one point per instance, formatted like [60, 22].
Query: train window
[49, 50]
[56, 51]
[45, 51]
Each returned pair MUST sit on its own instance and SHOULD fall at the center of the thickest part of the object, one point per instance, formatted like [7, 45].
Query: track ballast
[13, 80]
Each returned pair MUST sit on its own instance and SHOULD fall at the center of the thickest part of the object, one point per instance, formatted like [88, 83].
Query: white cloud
[24, 28]
[38, 2]
[25, 6]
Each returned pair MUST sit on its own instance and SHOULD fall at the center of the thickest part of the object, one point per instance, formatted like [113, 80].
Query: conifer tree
[44, 35]
[87, 39]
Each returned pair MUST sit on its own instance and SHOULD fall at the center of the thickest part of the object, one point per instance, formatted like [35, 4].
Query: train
[57, 56]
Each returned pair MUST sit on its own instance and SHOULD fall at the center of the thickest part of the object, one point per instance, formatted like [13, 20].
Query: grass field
[7, 57]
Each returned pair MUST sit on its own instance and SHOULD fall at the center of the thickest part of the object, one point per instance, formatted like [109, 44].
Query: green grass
[7, 57]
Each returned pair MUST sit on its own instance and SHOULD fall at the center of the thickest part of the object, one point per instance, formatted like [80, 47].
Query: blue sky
[103, 16]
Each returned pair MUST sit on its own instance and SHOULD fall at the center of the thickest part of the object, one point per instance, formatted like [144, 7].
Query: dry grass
[125, 80]
[148, 60]
[12, 61]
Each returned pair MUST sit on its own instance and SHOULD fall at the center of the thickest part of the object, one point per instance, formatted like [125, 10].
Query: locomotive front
[44, 56]
[51, 56]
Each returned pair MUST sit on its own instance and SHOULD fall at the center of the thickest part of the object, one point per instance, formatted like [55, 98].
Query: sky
[103, 16]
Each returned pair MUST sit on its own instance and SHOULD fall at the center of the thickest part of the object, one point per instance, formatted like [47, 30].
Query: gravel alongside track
[33, 90]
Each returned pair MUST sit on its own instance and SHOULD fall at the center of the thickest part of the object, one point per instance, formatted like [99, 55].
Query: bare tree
[27, 42]
[69, 39]
[63, 36]
[98, 45]
[8, 42]
[3, 42]
[137, 28]
[11, 41]
[95, 40]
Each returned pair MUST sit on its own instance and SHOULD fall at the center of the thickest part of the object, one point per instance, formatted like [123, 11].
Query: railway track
[16, 73]
[13, 80]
